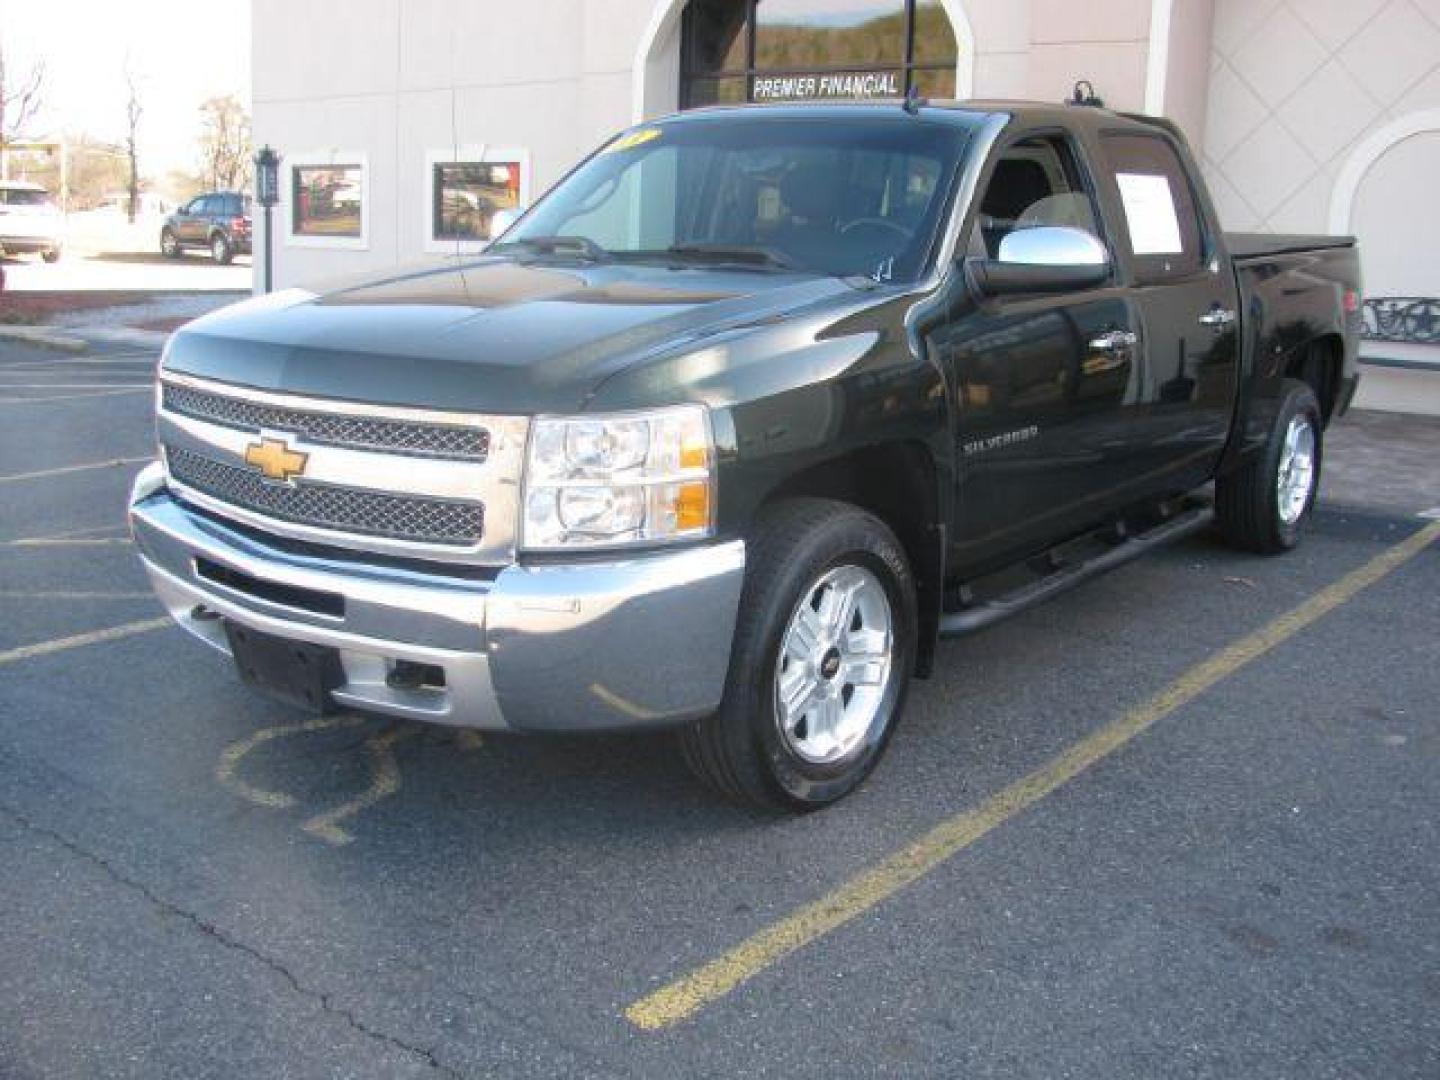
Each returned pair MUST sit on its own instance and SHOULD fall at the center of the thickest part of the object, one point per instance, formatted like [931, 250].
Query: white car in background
[29, 221]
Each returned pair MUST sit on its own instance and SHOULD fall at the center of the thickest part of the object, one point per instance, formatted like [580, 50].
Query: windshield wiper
[745, 254]
[558, 245]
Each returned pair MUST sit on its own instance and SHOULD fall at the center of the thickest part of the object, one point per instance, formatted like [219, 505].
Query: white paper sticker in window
[1150, 213]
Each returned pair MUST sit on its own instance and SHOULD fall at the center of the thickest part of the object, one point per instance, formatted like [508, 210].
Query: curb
[44, 339]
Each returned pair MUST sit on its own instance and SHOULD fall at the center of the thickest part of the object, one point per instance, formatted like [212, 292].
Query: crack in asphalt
[327, 1005]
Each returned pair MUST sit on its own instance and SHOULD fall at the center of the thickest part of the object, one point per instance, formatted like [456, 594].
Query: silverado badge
[275, 459]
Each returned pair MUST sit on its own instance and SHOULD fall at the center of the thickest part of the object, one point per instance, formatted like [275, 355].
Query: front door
[1045, 386]
[191, 224]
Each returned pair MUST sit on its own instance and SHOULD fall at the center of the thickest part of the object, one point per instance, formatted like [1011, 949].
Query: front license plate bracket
[295, 672]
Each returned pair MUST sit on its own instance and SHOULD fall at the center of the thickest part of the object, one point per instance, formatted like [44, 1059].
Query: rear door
[211, 213]
[1187, 301]
[1045, 384]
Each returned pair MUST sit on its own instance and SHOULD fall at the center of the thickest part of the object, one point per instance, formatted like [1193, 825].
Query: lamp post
[267, 194]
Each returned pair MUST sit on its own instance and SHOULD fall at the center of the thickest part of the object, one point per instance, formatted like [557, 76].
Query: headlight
[630, 478]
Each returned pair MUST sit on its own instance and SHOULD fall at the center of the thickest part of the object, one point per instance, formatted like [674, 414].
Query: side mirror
[501, 220]
[1047, 258]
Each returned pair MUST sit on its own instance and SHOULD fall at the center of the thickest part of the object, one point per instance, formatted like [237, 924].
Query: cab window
[1036, 181]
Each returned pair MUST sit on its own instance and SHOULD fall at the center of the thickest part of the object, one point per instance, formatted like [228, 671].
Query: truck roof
[1036, 112]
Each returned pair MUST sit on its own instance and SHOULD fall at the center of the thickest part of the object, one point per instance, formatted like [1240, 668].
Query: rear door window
[24, 197]
[1160, 218]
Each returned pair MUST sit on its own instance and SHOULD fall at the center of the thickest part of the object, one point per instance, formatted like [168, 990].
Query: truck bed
[1243, 245]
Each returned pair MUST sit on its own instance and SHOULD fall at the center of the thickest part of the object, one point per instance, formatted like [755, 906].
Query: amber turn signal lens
[692, 506]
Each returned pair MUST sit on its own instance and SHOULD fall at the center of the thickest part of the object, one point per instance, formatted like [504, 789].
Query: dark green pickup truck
[748, 411]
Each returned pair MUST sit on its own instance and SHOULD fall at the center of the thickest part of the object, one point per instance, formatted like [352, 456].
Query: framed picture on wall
[325, 196]
[466, 188]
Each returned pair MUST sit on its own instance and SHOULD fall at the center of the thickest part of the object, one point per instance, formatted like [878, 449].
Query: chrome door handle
[1217, 318]
[1113, 341]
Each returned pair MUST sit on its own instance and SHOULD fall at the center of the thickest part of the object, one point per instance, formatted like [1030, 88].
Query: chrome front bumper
[576, 646]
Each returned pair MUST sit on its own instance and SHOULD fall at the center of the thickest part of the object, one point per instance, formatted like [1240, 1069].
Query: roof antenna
[1085, 95]
[913, 100]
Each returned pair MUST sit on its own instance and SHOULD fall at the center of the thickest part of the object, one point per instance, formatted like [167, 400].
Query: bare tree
[20, 98]
[225, 143]
[133, 110]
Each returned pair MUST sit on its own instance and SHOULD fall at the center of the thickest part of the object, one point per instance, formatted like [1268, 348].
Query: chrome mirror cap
[1052, 245]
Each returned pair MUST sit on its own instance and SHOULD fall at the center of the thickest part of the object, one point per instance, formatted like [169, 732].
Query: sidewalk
[71, 322]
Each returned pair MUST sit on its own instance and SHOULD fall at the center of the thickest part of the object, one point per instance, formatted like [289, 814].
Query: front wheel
[169, 245]
[51, 255]
[824, 648]
[1263, 505]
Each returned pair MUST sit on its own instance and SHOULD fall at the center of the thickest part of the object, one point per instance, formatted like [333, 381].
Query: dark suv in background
[218, 222]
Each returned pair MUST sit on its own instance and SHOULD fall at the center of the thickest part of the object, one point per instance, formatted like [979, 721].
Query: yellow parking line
[86, 530]
[64, 594]
[94, 637]
[73, 386]
[40, 474]
[67, 541]
[682, 998]
[73, 397]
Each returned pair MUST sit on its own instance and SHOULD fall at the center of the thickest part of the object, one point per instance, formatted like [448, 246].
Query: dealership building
[405, 125]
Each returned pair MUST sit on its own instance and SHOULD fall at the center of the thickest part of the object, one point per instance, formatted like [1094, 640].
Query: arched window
[800, 50]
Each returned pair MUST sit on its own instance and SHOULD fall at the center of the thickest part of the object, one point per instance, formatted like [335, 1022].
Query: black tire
[1248, 503]
[740, 751]
[221, 250]
[52, 255]
[169, 244]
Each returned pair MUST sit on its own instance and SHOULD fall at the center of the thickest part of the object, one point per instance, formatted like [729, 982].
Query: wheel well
[1319, 364]
[897, 483]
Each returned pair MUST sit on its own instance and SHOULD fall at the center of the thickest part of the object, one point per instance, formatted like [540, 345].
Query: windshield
[828, 196]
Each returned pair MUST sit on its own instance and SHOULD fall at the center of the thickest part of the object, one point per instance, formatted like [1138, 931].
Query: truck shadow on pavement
[348, 777]
[332, 775]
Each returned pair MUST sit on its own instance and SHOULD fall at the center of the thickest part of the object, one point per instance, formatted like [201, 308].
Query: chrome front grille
[419, 482]
[464, 443]
[368, 513]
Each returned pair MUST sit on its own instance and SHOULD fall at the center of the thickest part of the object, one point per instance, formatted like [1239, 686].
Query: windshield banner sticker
[632, 139]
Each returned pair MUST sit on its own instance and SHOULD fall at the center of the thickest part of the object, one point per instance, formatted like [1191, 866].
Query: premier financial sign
[840, 84]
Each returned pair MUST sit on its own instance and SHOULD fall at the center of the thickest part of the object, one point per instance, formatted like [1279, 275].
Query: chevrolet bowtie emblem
[275, 459]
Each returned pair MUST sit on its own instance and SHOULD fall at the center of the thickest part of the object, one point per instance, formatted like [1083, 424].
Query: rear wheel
[51, 255]
[1263, 506]
[824, 648]
[220, 249]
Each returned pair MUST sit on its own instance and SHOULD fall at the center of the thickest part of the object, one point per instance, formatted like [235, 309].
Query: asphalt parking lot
[1179, 822]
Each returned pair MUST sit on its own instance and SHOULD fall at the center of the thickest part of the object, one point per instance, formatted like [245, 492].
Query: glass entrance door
[814, 50]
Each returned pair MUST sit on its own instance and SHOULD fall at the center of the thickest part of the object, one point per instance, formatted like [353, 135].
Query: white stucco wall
[1296, 87]
[395, 79]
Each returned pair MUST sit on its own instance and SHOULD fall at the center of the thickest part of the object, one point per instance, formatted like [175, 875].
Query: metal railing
[1414, 319]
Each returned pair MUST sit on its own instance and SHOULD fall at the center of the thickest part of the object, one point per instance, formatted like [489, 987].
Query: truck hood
[494, 335]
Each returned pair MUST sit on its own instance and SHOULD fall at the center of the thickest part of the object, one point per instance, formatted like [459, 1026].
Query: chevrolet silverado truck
[740, 419]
